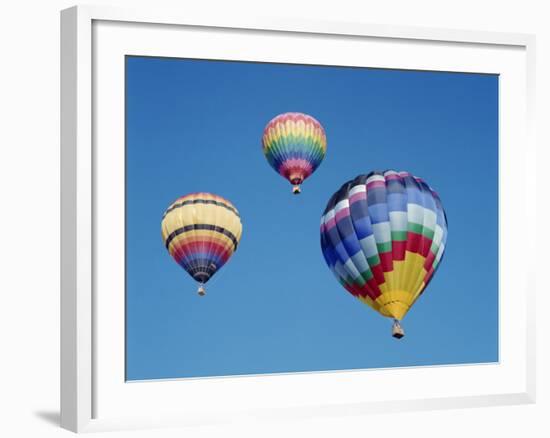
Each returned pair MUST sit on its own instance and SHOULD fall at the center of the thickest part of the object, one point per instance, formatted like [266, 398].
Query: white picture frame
[94, 395]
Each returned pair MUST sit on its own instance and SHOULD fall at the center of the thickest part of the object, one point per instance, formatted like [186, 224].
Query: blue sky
[275, 307]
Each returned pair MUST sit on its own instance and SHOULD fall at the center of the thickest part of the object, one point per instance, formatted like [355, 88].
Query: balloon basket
[296, 189]
[397, 331]
[201, 291]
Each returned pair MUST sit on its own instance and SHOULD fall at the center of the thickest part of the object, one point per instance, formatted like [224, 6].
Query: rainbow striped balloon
[201, 231]
[294, 145]
[383, 235]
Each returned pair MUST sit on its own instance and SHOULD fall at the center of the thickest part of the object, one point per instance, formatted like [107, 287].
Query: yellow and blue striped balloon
[201, 231]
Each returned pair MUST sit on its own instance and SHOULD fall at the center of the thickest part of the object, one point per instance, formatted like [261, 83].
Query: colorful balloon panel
[201, 231]
[383, 235]
[294, 144]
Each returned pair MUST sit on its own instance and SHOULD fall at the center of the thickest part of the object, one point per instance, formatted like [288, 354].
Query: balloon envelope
[294, 144]
[201, 231]
[383, 235]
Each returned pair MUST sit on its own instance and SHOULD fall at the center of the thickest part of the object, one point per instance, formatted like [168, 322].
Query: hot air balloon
[294, 145]
[201, 231]
[383, 236]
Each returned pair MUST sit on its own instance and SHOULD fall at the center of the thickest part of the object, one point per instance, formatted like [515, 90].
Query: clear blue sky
[276, 307]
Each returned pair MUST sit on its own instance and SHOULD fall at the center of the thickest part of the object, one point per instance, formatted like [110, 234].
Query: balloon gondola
[201, 231]
[383, 235]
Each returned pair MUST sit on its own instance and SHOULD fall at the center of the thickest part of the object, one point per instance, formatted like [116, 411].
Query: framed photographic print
[280, 218]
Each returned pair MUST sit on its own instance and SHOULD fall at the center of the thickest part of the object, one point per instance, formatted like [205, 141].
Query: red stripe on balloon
[392, 176]
[386, 261]
[353, 289]
[428, 263]
[398, 248]
[425, 245]
[205, 246]
[413, 242]
[372, 288]
[359, 196]
[341, 214]
[375, 184]
[366, 291]
[428, 276]
[330, 224]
